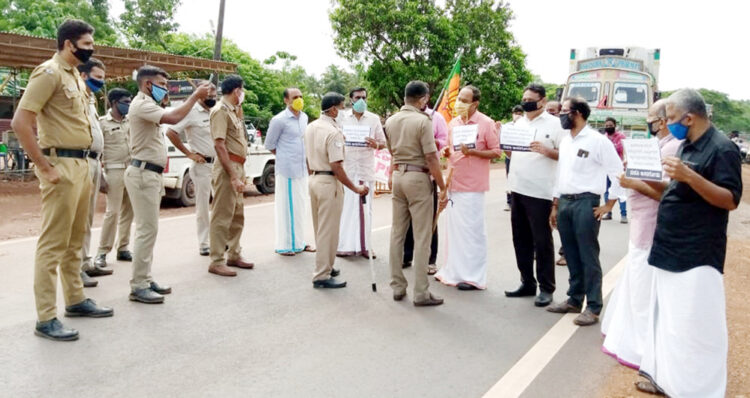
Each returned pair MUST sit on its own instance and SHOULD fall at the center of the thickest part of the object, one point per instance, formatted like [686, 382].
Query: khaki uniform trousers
[202, 176]
[119, 213]
[65, 207]
[227, 215]
[145, 188]
[412, 200]
[95, 171]
[327, 200]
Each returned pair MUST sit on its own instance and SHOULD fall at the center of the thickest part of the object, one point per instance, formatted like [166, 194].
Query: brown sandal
[648, 387]
[309, 249]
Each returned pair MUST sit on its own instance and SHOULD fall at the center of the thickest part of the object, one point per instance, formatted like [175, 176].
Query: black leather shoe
[429, 302]
[161, 289]
[335, 272]
[88, 308]
[543, 299]
[87, 281]
[147, 296]
[124, 255]
[329, 283]
[465, 286]
[54, 330]
[101, 260]
[406, 264]
[99, 271]
[522, 291]
[204, 251]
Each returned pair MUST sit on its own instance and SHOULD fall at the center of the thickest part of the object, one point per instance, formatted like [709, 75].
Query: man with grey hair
[685, 352]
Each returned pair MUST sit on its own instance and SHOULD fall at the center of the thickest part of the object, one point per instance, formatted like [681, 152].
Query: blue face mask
[679, 130]
[123, 108]
[360, 106]
[94, 84]
[158, 93]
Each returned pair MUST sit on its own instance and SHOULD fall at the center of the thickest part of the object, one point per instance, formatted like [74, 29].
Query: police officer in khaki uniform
[115, 159]
[228, 179]
[412, 144]
[324, 147]
[57, 101]
[143, 177]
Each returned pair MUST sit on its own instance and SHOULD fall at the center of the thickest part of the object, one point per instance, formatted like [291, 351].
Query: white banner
[382, 165]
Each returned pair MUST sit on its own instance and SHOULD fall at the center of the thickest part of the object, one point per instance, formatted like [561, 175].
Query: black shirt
[690, 232]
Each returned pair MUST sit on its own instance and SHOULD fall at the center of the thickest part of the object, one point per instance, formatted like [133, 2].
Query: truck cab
[616, 82]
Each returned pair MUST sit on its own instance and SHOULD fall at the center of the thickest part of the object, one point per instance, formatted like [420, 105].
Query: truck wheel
[267, 180]
[187, 193]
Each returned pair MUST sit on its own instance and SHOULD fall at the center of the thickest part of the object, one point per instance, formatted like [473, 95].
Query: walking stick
[442, 198]
[368, 242]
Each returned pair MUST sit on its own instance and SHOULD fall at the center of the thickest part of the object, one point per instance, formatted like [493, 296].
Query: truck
[620, 82]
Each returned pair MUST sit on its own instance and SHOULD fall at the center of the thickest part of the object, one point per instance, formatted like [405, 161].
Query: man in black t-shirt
[685, 352]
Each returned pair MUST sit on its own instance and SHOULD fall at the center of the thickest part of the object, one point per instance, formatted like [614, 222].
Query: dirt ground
[736, 280]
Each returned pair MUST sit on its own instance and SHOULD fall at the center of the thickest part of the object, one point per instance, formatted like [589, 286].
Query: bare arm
[175, 115]
[174, 138]
[22, 124]
[716, 195]
[642, 187]
[433, 163]
[485, 154]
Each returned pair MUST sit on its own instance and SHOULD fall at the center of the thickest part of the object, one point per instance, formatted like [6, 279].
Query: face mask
[360, 106]
[210, 102]
[462, 109]
[609, 130]
[94, 84]
[651, 129]
[298, 104]
[529, 106]
[122, 108]
[678, 130]
[83, 54]
[158, 93]
[242, 97]
[565, 121]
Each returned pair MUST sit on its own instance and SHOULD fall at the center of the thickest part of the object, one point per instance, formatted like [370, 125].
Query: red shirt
[616, 139]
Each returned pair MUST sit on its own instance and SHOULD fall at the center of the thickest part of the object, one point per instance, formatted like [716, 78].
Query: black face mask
[210, 102]
[529, 106]
[83, 54]
[651, 128]
[565, 121]
[609, 130]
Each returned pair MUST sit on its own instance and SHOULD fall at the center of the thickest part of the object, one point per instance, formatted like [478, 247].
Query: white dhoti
[356, 222]
[466, 242]
[291, 213]
[685, 352]
[626, 318]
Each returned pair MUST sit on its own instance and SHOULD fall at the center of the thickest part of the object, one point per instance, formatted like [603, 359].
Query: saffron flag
[450, 94]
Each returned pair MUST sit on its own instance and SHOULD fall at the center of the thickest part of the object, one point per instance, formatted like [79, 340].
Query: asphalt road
[268, 333]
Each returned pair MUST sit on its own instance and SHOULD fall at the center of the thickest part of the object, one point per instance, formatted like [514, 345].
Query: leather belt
[324, 173]
[237, 158]
[147, 166]
[411, 167]
[70, 153]
[579, 196]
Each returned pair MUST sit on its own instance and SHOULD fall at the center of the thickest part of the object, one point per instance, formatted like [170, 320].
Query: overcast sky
[704, 44]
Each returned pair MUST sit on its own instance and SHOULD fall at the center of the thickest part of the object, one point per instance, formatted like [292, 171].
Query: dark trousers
[579, 232]
[529, 218]
[409, 242]
[507, 171]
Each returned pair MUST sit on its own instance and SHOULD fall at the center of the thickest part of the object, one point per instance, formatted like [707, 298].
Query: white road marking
[522, 374]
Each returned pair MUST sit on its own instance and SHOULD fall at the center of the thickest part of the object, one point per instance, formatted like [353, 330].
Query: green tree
[146, 23]
[290, 74]
[42, 17]
[338, 80]
[396, 41]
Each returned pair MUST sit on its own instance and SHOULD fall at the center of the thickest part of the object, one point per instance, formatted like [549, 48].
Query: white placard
[644, 159]
[466, 135]
[355, 135]
[514, 138]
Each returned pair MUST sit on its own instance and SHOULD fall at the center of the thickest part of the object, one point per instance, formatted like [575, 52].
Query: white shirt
[584, 164]
[359, 162]
[197, 128]
[533, 174]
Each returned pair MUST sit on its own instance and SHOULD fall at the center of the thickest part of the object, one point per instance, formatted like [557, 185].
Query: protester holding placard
[359, 165]
[466, 265]
[625, 322]
[531, 180]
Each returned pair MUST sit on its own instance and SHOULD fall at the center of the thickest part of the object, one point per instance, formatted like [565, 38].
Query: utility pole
[217, 46]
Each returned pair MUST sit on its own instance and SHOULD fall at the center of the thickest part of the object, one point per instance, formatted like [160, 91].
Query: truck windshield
[631, 95]
[586, 90]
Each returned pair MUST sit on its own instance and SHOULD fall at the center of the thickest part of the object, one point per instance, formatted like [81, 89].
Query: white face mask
[242, 97]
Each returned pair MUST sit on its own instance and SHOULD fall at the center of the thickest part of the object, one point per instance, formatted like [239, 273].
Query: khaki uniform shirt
[146, 140]
[324, 144]
[97, 143]
[410, 136]
[228, 125]
[197, 129]
[57, 95]
[116, 136]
